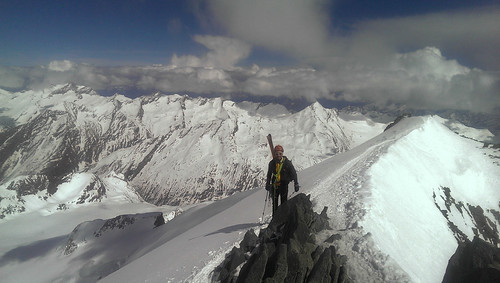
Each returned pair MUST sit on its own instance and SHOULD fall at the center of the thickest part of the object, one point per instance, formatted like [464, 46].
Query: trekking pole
[271, 147]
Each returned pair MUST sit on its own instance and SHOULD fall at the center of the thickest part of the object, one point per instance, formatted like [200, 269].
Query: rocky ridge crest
[286, 251]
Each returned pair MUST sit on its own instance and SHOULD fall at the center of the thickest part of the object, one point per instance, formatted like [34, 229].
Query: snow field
[401, 214]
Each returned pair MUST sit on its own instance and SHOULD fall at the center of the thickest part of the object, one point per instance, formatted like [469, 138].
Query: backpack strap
[277, 175]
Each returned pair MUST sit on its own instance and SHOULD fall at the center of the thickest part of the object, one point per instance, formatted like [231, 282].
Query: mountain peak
[78, 89]
[323, 114]
[316, 104]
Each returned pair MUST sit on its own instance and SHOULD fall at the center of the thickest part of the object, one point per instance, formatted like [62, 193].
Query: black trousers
[280, 192]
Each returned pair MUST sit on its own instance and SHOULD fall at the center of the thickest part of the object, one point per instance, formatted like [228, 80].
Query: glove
[268, 187]
[296, 187]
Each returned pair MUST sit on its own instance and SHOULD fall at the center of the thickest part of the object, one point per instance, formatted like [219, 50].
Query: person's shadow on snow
[232, 228]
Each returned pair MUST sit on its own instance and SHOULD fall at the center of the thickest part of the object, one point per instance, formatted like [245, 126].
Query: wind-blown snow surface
[427, 159]
[384, 199]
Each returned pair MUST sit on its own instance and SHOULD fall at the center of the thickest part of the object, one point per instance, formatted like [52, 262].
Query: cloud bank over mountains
[446, 60]
[423, 79]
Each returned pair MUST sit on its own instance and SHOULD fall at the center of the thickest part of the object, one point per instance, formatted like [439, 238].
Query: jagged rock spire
[286, 251]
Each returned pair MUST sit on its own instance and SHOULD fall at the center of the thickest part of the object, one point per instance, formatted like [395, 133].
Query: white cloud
[293, 26]
[428, 62]
[303, 29]
[291, 82]
[445, 67]
[61, 66]
[366, 63]
[423, 79]
[223, 53]
[10, 78]
[470, 35]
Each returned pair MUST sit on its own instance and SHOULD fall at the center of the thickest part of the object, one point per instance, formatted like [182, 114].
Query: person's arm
[294, 176]
[293, 173]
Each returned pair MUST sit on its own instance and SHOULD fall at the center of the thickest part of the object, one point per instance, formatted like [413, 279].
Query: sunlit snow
[380, 199]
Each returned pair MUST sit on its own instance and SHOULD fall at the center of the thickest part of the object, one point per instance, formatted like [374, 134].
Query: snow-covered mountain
[398, 205]
[489, 123]
[165, 149]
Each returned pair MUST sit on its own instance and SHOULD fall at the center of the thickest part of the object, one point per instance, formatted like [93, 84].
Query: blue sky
[150, 31]
[386, 52]
[118, 32]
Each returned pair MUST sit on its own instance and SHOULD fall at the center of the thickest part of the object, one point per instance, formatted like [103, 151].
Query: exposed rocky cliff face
[476, 261]
[286, 251]
[482, 223]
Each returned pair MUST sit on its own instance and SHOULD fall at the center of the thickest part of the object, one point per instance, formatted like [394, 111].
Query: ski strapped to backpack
[271, 146]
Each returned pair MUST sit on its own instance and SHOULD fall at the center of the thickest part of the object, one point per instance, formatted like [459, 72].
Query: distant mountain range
[165, 149]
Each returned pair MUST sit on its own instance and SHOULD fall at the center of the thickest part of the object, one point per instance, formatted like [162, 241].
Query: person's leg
[284, 193]
[274, 197]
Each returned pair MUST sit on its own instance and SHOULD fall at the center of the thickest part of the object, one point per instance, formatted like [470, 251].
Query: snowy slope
[385, 199]
[350, 185]
[429, 160]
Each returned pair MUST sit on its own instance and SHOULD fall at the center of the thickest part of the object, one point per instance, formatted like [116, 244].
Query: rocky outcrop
[458, 214]
[106, 232]
[100, 247]
[476, 261]
[398, 119]
[286, 251]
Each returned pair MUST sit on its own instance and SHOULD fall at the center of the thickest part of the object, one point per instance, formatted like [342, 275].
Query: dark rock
[29, 185]
[159, 221]
[476, 261]
[398, 119]
[321, 270]
[119, 222]
[485, 226]
[255, 268]
[94, 192]
[277, 269]
[249, 242]
[299, 260]
[333, 238]
[238, 258]
[317, 253]
[226, 272]
[286, 251]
